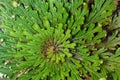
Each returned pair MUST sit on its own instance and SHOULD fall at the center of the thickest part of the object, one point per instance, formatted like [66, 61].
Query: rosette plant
[59, 40]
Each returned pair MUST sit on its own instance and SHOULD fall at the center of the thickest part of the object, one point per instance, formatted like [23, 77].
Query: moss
[59, 40]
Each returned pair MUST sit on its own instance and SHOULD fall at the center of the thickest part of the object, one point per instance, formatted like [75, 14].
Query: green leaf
[100, 12]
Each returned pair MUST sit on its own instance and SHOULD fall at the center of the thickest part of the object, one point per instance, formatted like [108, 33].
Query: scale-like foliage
[58, 40]
[101, 11]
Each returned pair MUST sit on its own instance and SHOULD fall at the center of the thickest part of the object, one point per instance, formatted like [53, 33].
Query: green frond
[59, 40]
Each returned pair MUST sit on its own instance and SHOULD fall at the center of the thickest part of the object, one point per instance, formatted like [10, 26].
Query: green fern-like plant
[59, 40]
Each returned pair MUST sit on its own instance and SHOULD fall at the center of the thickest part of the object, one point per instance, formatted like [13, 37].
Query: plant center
[51, 48]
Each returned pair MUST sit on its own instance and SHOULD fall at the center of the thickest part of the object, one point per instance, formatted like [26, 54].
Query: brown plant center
[51, 48]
